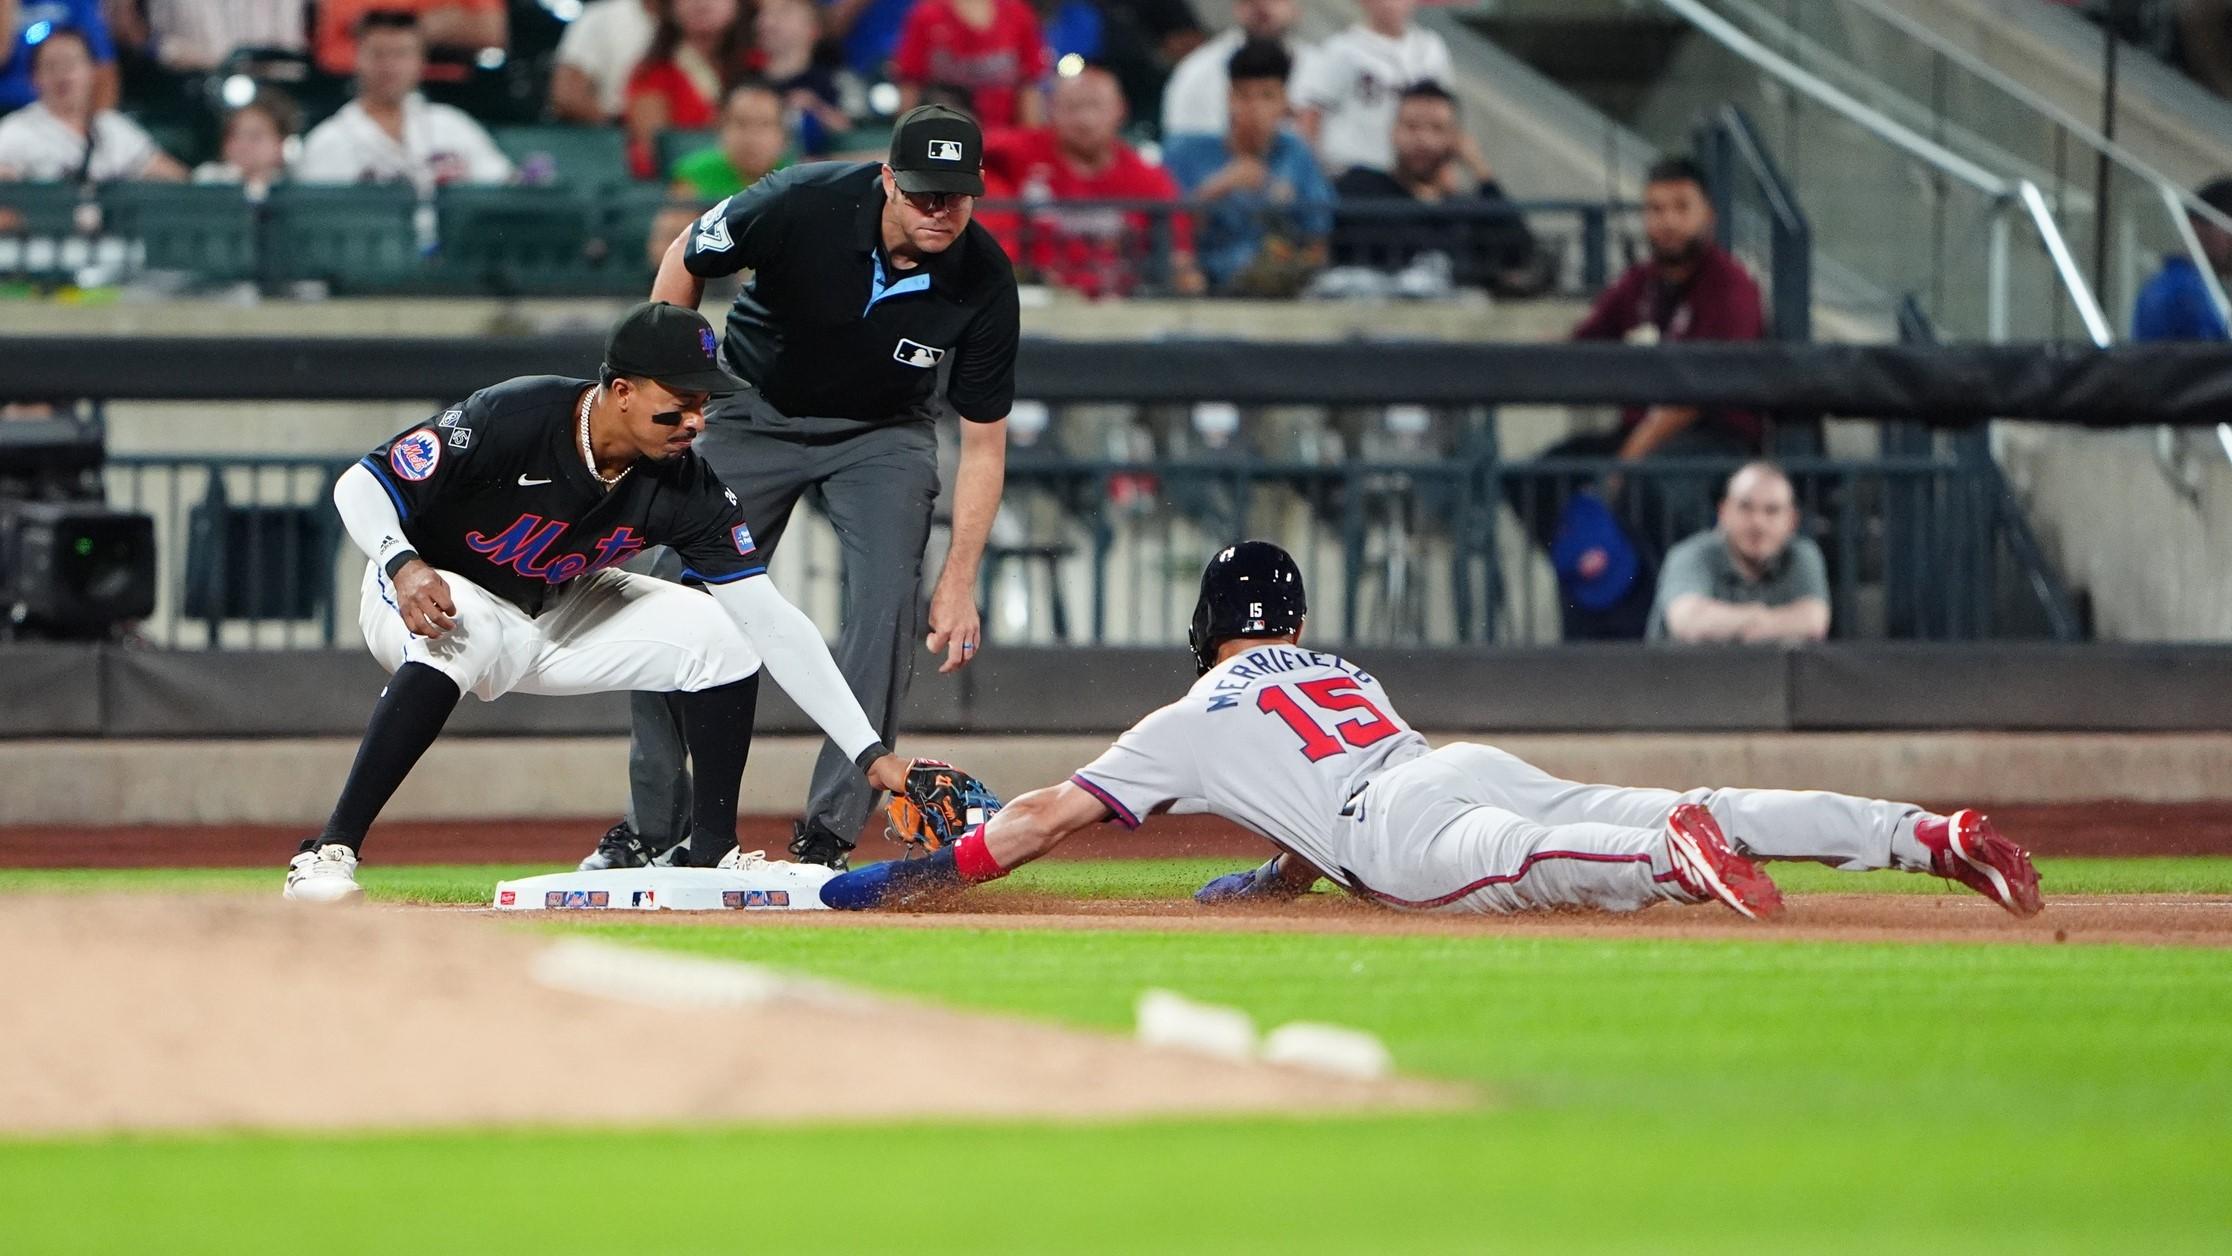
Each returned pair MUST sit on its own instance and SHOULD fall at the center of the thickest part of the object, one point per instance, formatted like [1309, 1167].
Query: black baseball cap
[675, 346]
[936, 148]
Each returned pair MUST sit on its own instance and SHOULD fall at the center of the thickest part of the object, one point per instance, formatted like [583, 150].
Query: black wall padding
[51, 690]
[2013, 687]
[2128, 385]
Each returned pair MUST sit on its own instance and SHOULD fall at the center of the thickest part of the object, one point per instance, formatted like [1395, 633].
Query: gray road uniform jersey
[1306, 749]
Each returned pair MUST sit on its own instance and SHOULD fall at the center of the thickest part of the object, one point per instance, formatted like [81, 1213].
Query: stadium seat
[263, 562]
[43, 208]
[580, 156]
[209, 231]
[673, 146]
[514, 239]
[354, 239]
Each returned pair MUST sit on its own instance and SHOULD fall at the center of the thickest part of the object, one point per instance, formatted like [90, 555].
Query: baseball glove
[941, 805]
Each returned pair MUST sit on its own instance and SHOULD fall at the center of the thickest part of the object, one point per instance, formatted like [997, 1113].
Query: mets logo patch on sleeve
[742, 535]
[414, 457]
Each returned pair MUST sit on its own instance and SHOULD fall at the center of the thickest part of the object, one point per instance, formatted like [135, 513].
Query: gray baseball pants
[876, 486]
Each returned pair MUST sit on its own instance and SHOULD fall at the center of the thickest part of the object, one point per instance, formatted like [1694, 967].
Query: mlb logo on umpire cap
[945, 150]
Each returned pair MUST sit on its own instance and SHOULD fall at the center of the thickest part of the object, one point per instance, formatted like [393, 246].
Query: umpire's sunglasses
[936, 202]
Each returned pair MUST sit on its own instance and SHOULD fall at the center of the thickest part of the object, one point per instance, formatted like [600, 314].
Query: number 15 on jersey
[1334, 695]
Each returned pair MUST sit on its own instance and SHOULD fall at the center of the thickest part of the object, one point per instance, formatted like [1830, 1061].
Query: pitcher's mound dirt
[141, 1012]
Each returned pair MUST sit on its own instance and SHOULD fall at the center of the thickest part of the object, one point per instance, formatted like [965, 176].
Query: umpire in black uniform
[868, 280]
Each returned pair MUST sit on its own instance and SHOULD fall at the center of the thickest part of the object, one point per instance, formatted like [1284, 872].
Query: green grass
[1648, 1095]
[1118, 878]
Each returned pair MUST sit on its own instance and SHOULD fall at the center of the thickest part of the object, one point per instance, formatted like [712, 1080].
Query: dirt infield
[1955, 916]
[2110, 828]
[141, 1012]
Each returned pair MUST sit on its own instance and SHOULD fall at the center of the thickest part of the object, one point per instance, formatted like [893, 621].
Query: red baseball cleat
[1708, 867]
[1964, 847]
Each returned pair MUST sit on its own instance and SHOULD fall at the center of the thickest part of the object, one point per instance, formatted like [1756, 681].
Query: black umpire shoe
[618, 848]
[813, 843]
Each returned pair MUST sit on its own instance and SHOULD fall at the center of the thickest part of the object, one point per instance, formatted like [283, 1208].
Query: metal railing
[1955, 243]
[314, 240]
[1426, 542]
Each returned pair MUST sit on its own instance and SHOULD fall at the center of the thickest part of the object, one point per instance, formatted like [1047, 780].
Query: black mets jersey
[829, 327]
[495, 490]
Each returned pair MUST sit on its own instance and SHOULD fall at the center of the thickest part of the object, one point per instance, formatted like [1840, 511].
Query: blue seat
[353, 238]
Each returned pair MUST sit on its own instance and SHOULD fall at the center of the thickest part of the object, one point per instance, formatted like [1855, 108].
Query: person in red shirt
[456, 32]
[1080, 158]
[1688, 289]
[700, 49]
[991, 49]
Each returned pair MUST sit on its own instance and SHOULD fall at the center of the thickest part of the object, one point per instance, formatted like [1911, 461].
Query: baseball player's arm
[1023, 830]
[422, 597]
[798, 659]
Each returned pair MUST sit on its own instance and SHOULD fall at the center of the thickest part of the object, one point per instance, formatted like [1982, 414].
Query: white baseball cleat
[324, 875]
[741, 860]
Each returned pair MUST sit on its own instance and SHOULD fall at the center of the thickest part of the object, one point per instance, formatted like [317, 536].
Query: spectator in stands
[596, 56]
[1753, 579]
[1268, 208]
[253, 152]
[23, 23]
[1688, 289]
[198, 35]
[788, 33]
[753, 143]
[1436, 163]
[456, 33]
[2176, 303]
[390, 133]
[866, 31]
[1142, 41]
[1082, 157]
[1193, 102]
[1346, 107]
[700, 47]
[64, 135]
[990, 49]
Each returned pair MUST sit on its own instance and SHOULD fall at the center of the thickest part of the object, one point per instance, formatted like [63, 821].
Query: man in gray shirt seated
[1751, 579]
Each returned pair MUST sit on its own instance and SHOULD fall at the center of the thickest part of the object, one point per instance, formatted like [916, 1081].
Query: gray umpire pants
[876, 486]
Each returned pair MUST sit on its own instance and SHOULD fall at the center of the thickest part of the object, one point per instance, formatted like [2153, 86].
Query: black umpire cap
[675, 346]
[938, 149]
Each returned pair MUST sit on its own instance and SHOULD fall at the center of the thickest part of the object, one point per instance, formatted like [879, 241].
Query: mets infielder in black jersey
[494, 531]
[1305, 749]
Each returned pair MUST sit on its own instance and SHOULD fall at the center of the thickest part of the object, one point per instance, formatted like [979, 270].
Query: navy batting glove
[1232, 885]
[890, 883]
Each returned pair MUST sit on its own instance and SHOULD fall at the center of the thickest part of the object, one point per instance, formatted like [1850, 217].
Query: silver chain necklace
[588, 458]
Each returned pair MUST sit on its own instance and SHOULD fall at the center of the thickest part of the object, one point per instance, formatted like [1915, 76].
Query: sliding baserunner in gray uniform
[1305, 749]
[868, 280]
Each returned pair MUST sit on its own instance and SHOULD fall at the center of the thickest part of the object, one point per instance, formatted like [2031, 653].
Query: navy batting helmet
[1252, 589]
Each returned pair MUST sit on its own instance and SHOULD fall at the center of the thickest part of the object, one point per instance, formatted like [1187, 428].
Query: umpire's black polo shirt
[828, 327]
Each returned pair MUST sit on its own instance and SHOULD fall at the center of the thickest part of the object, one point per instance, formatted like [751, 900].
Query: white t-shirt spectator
[1194, 98]
[1354, 83]
[440, 145]
[605, 43]
[204, 32]
[35, 144]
